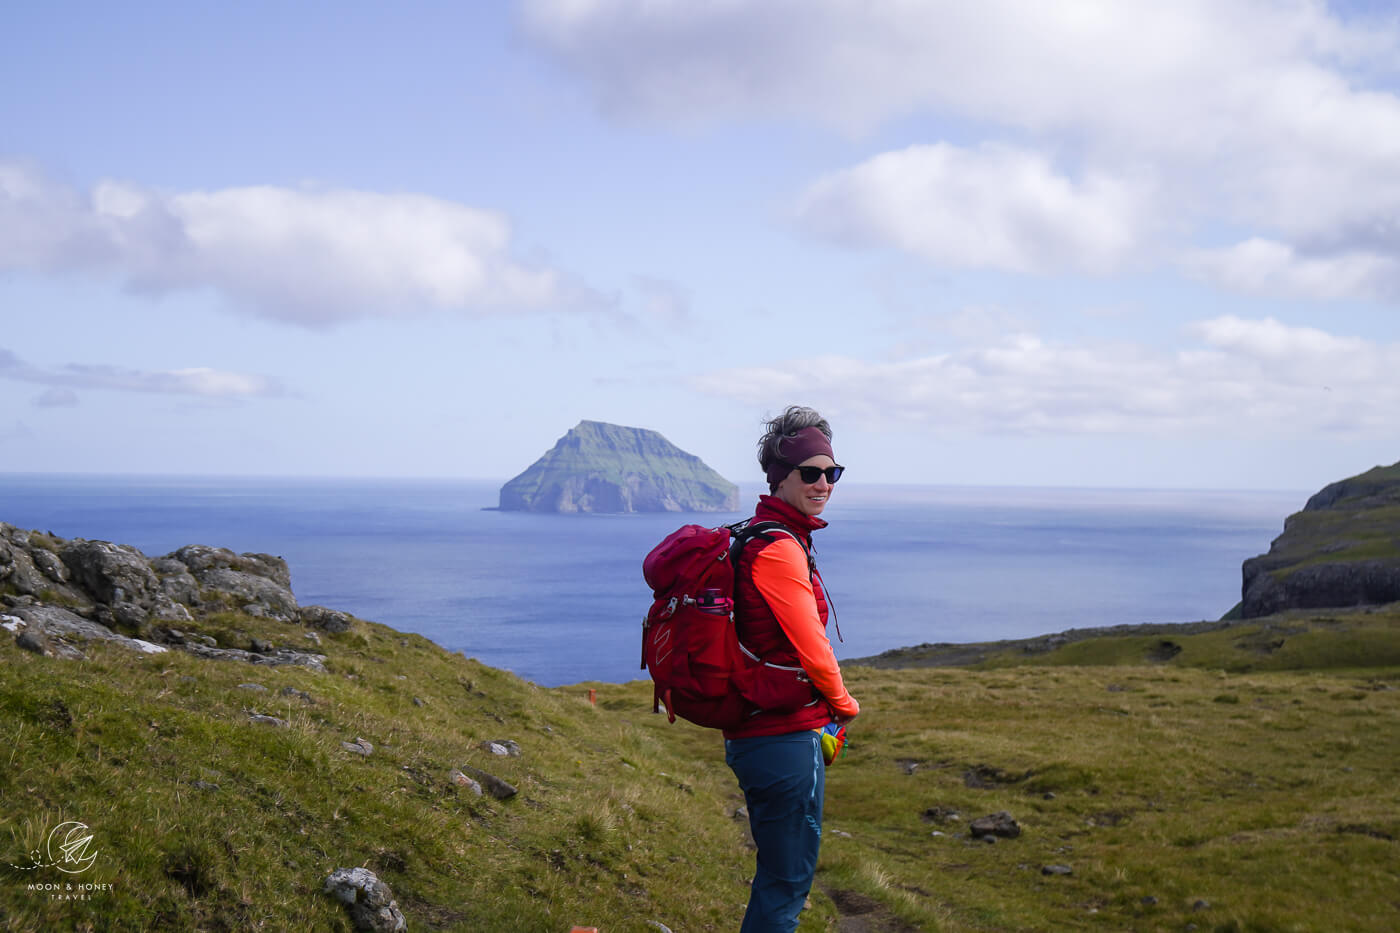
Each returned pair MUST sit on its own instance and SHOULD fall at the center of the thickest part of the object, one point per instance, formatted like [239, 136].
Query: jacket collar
[774, 509]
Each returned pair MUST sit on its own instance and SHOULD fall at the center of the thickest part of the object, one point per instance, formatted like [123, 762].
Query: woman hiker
[782, 611]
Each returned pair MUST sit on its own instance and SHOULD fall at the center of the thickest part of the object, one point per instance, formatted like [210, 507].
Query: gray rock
[19, 572]
[369, 901]
[164, 608]
[252, 687]
[282, 656]
[266, 565]
[999, 824]
[168, 566]
[49, 564]
[199, 557]
[181, 586]
[461, 780]
[503, 748]
[57, 625]
[1056, 870]
[112, 573]
[275, 601]
[941, 815]
[328, 620]
[359, 747]
[33, 641]
[264, 720]
[1329, 585]
[490, 783]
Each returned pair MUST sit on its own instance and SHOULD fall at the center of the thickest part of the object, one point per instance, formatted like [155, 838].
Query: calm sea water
[559, 598]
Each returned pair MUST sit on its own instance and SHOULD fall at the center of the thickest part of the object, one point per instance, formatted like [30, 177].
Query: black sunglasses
[810, 474]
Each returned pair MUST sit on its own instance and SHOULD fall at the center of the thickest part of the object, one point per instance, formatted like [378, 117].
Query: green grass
[1273, 795]
[1299, 640]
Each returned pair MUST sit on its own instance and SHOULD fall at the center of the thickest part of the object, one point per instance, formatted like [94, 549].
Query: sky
[1122, 243]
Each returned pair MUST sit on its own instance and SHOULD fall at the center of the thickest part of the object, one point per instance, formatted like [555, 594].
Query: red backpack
[700, 669]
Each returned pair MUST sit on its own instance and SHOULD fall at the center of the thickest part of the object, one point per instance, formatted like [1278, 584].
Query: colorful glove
[833, 741]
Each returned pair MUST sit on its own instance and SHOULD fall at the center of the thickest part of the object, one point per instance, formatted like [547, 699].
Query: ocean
[558, 599]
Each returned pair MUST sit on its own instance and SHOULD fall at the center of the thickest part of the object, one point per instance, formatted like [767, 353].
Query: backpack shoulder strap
[744, 532]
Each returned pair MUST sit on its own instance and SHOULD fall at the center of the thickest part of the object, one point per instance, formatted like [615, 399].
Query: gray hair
[793, 419]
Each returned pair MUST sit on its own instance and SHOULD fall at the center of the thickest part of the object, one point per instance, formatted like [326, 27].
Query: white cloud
[1122, 67]
[994, 206]
[1277, 117]
[1259, 266]
[1268, 339]
[310, 256]
[1242, 375]
[197, 381]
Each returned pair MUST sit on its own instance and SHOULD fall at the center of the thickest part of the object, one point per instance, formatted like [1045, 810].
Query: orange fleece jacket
[781, 575]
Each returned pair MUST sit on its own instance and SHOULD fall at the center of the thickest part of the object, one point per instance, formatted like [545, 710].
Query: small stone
[461, 780]
[252, 687]
[204, 785]
[273, 721]
[417, 701]
[1149, 901]
[1201, 904]
[1056, 870]
[31, 641]
[997, 824]
[359, 747]
[940, 815]
[490, 783]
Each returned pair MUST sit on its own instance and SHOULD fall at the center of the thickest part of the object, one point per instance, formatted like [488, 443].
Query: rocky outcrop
[58, 594]
[1341, 550]
[368, 900]
[599, 467]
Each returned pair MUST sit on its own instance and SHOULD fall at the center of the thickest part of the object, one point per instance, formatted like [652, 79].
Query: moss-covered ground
[1206, 791]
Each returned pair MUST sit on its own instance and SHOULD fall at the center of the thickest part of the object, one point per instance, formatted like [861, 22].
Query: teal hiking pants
[783, 780]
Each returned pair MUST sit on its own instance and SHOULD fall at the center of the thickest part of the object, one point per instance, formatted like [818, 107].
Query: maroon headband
[795, 448]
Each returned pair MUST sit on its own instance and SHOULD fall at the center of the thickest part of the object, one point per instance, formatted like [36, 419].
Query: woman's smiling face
[807, 498]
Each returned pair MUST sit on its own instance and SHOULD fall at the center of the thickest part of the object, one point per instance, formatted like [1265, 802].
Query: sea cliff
[1342, 549]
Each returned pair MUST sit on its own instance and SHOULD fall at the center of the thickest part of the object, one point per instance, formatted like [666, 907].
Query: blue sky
[1094, 244]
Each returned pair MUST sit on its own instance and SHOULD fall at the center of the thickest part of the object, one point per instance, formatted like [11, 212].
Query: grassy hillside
[1173, 794]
